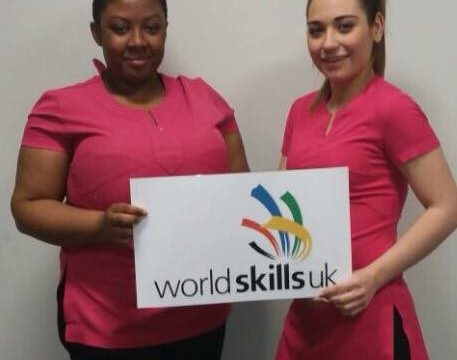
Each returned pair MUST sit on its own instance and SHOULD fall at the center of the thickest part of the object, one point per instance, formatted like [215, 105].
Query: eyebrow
[146, 15]
[147, 18]
[153, 16]
[339, 18]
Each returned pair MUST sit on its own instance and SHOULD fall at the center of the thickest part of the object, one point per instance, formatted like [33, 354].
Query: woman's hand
[353, 295]
[117, 222]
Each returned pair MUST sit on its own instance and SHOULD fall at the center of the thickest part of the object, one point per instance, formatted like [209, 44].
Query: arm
[438, 194]
[282, 163]
[38, 209]
[236, 154]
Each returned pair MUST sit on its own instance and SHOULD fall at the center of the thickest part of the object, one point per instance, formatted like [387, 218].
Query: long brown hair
[378, 55]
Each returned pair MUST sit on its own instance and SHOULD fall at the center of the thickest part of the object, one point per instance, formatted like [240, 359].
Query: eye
[153, 28]
[315, 31]
[119, 29]
[345, 27]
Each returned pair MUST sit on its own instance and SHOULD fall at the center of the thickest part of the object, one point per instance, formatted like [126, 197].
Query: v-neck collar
[110, 101]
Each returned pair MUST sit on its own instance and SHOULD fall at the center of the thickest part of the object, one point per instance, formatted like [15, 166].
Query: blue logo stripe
[262, 195]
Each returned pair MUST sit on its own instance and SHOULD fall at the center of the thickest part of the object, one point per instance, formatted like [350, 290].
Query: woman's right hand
[117, 222]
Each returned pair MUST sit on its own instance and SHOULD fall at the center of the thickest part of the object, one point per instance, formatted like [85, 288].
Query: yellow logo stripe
[282, 224]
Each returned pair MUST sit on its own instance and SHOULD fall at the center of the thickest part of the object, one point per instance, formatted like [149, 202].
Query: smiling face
[132, 35]
[340, 39]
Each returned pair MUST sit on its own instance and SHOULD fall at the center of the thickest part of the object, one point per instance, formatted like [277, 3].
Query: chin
[339, 77]
[139, 78]
[336, 78]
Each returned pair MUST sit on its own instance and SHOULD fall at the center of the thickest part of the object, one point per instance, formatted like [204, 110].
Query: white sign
[240, 237]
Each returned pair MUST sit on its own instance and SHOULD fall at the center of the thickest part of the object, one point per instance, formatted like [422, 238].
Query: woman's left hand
[353, 295]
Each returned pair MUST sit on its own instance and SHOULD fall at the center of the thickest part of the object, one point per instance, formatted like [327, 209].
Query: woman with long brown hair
[361, 121]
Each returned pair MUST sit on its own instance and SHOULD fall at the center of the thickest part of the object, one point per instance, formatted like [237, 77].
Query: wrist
[377, 276]
[98, 226]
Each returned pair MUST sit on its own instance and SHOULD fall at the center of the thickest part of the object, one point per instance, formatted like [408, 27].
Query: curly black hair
[99, 5]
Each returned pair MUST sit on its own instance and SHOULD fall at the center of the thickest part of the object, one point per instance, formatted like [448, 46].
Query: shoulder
[390, 99]
[71, 93]
[397, 114]
[195, 90]
[188, 84]
[305, 101]
[65, 103]
[299, 111]
[302, 105]
[76, 88]
[405, 129]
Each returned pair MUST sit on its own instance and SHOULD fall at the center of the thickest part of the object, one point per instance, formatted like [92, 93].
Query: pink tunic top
[109, 143]
[378, 131]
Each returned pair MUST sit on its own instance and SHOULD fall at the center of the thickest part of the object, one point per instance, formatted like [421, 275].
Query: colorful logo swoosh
[284, 248]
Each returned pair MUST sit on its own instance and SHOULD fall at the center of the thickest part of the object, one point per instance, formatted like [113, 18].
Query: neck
[138, 95]
[342, 93]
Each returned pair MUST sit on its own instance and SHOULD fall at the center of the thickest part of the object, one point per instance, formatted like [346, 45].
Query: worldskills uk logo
[281, 238]
[293, 240]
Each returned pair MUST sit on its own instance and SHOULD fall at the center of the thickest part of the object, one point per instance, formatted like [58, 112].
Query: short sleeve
[45, 128]
[229, 126]
[227, 123]
[287, 138]
[407, 132]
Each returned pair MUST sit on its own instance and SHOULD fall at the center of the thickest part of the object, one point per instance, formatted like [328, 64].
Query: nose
[137, 37]
[330, 40]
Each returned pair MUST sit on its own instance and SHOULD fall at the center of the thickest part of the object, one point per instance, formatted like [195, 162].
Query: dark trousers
[401, 344]
[207, 346]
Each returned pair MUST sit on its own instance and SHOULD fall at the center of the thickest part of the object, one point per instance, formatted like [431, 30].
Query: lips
[137, 61]
[333, 59]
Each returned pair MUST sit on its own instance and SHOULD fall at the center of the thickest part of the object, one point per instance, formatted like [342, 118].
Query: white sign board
[240, 237]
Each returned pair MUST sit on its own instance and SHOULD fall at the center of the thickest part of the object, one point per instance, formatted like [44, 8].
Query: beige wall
[253, 52]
